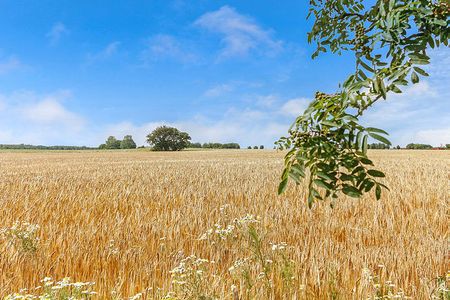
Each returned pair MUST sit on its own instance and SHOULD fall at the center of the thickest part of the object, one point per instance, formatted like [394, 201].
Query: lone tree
[390, 40]
[112, 143]
[166, 138]
[127, 143]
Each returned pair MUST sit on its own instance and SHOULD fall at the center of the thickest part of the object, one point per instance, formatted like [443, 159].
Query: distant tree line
[113, 143]
[41, 147]
[378, 146]
[164, 138]
[215, 145]
[256, 147]
[419, 146]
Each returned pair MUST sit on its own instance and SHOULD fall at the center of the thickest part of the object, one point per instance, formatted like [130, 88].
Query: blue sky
[75, 72]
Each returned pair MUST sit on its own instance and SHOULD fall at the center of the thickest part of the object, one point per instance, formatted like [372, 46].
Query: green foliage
[442, 289]
[112, 143]
[221, 146]
[195, 145]
[22, 235]
[378, 146]
[447, 146]
[166, 138]
[41, 147]
[127, 143]
[419, 146]
[390, 39]
[261, 147]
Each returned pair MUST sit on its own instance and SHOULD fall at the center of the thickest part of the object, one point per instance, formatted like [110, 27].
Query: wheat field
[124, 220]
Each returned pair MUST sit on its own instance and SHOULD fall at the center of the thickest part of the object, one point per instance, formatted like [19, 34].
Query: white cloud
[422, 109]
[435, 137]
[218, 90]
[51, 111]
[57, 32]
[241, 34]
[440, 62]
[414, 101]
[266, 101]
[166, 46]
[28, 117]
[295, 107]
[110, 50]
[10, 64]
[248, 126]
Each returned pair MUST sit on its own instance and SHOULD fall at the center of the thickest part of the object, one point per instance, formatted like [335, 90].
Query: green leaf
[323, 175]
[417, 55]
[359, 137]
[372, 129]
[323, 184]
[364, 145]
[380, 138]
[361, 73]
[367, 67]
[368, 185]
[421, 71]
[295, 176]
[376, 173]
[310, 200]
[351, 191]
[440, 22]
[358, 169]
[366, 161]
[378, 192]
[382, 87]
[346, 177]
[282, 187]
[298, 169]
[420, 61]
[414, 77]
[329, 123]
[395, 89]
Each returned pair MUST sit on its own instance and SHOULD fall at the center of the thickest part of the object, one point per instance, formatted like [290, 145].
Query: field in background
[121, 219]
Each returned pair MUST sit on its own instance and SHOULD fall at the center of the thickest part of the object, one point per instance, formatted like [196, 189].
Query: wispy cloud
[295, 107]
[9, 64]
[57, 32]
[219, 90]
[240, 34]
[163, 46]
[440, 63]
[110, 50]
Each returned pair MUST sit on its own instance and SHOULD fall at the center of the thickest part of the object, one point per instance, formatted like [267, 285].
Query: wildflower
[279, 247]
[135, 297]
[223, 208]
